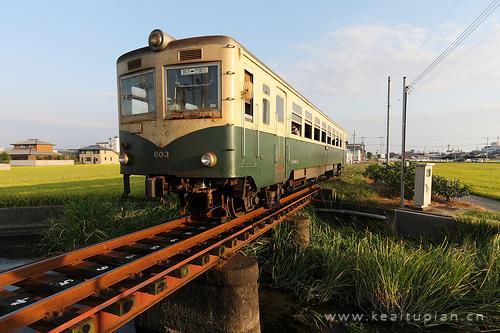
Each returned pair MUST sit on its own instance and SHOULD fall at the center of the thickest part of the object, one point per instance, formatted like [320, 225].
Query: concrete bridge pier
[224, 300]
[301, 234]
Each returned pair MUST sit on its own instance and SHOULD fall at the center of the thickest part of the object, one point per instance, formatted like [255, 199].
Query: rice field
[53, 185]
[484, 178]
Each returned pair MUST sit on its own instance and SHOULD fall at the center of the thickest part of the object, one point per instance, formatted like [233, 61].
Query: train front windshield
[138, 94]
[193, 88]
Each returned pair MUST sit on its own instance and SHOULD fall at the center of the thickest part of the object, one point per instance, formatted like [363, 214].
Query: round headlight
[155, 38]
[158, 40]
[208, 159]
[123, 159]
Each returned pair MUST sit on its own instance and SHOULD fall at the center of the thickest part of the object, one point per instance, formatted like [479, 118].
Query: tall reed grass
[374, 271]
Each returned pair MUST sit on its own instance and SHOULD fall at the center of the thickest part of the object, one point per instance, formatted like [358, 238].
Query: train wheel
[235, 207]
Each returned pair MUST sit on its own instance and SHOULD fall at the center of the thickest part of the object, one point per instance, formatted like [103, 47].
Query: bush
[5, 157]
[449, 189]
[389, 175]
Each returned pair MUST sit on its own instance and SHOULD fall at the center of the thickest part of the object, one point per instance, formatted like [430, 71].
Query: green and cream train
[204, 118]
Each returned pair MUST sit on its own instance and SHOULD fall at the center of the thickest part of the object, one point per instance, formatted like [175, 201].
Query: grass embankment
[91, 221]
[54, 185]
[365, 269]
[354, 188]
[484, 178]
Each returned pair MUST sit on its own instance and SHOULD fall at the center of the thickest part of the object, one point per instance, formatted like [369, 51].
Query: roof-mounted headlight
[158, 40]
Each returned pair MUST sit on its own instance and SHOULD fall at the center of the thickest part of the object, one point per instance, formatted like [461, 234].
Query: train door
[248, 123]
[279, 141]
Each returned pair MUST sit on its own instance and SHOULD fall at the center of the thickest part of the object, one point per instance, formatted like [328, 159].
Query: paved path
[484, 202]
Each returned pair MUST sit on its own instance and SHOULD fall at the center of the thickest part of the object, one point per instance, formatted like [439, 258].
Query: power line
[471, 28]
[428, 37]
[458, 59]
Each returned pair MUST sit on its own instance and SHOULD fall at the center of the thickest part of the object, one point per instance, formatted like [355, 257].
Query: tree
[369, 155]
[4, 157]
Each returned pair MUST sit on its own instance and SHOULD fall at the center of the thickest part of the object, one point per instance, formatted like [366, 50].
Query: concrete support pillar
[301, 225]
[224, 300]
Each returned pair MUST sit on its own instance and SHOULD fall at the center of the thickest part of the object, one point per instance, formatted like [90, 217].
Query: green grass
[353, 187]
[367, 269]
[484, 178]
[90, 221]
[53, 185]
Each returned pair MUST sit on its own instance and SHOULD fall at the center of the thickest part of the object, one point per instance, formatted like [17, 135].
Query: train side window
[266, 112]
[308, 129]
[329, 135]
[280, 109]
[323, 132]
[317, 131]
[296, 124]
[296, 119]
[249, 103]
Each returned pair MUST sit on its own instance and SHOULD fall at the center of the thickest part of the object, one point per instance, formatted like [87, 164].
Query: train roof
[223, 40]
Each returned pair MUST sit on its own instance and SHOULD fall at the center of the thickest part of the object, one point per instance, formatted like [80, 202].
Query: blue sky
[58, 62]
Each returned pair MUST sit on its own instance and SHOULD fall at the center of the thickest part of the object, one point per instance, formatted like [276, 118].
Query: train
[203, 118]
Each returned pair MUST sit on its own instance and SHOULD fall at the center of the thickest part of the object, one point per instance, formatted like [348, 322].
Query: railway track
[101, 287]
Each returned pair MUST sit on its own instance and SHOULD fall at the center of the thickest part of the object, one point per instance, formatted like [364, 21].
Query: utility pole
[380, 150]
[487, 146]
[387, 152]
[403, 143]
[354, 147]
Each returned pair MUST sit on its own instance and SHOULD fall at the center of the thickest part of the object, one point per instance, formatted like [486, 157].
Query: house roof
[33, 142]
[95, 147]
[29, 151]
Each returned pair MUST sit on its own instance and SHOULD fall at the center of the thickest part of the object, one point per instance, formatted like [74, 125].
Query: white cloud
[346, 71]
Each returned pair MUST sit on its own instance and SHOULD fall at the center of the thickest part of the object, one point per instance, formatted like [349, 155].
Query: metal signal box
[423, 184]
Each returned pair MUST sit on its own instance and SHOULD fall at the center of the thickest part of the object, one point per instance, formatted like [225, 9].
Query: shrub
[5, 157]
[389, 175]
[449, 189]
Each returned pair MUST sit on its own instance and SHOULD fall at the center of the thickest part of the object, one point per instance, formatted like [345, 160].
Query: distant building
[358, 152]
[2, 149]
[35, 152]
[97, 154]
[32, 149]
[112, 143]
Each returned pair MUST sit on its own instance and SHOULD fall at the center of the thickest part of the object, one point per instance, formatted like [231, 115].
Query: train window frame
[280, 109]
[249, 111]
[296, 125]
[266, 90]
[128, 118]
[317, 129]
[266, 111]
[323, 132]
[308, 129]
[198, 113]
[296, 121]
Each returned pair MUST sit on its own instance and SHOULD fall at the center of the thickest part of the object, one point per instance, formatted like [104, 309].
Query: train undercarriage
[221, 198]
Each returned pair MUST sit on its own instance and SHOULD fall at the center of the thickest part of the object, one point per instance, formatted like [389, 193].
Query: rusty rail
[103, 286]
